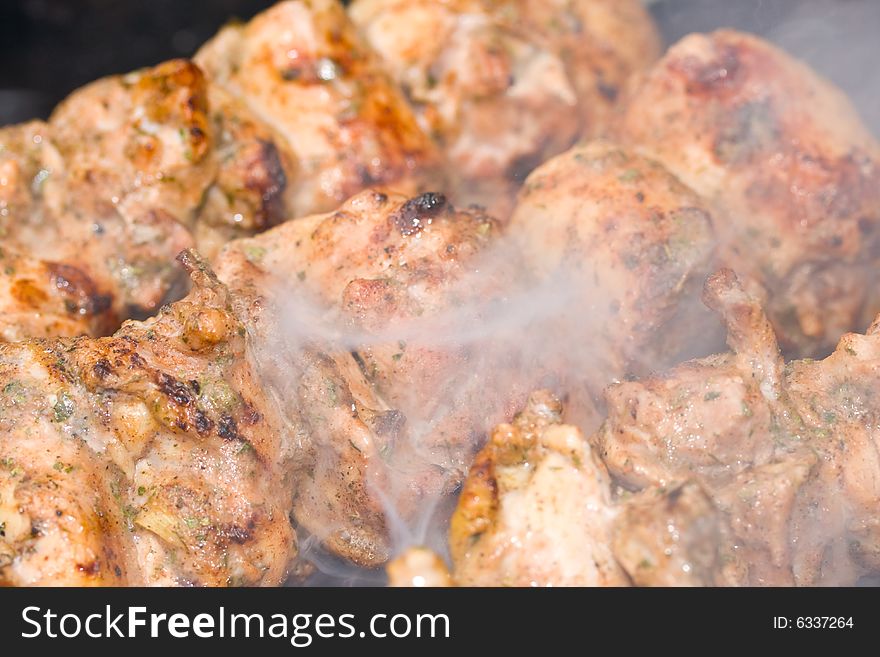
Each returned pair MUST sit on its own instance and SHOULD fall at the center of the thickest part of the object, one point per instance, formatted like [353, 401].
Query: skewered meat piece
[787, 452]
[502, 86]
[378, 311]
[302, 69]
[793, 174]
[633, 246]
[148, 457]
[536, 508]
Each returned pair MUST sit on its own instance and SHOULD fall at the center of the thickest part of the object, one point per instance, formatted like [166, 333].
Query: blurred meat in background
[51, 47]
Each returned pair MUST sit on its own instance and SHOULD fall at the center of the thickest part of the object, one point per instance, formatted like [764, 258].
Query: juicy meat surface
[632, 247]
[339, 382]
[792, 173]
[251, 189]
[44, 299]
[377, 310]
[502, 86]
[128, 171]
[736, 469]
[536, 508]
[787, 452]
[659, 537]
[302, 68]
[132, 164]
[670, 537]
[148, 457]
[82, 190]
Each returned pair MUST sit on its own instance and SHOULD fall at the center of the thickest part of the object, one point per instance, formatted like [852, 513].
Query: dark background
[50, 47]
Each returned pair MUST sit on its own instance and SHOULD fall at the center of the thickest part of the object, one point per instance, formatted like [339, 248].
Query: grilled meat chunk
[787, 452]
[134, 162]
[105, 189]
[148, 457]
[377, 309]
[536, 508]
[129, 171]
[792, 172]
[502, 86]
[660, 537]
[632, 245]
[302, 68]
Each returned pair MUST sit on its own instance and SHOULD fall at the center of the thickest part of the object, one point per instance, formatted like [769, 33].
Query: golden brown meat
[106, 187]
[536, 508]
[129, 171]
[377, 310]
[793, 174]
[250, 191]
[301, 68]
[501, 86]
[134, 163]
[45, 299]
[632, 245]
[788, 453]
[149, 457]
